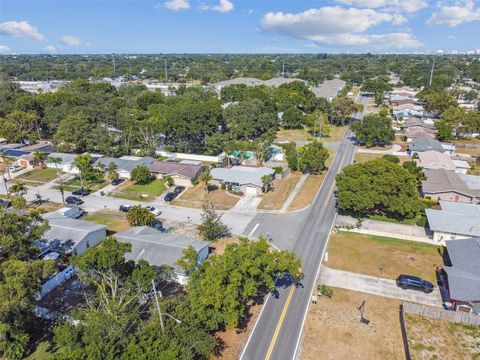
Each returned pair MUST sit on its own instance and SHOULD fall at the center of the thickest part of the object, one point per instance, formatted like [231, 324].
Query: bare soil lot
[381, 256]
[333, 329]
[437, 339]
[307, 193]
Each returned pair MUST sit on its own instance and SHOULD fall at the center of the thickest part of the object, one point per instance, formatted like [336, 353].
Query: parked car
[5, 203]
[157, 224]
[415, 283]
[73, 200]
[124, 208]
[178, 189]
[15, 168]
[118, 181]
[80, 192]
[153, 210]
[170, 196]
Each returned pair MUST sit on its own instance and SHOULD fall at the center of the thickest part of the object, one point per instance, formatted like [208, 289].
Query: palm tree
[7, 160]
[267, 182]
[18, 188]
[39, 158]
[56, 161]
[205, 176]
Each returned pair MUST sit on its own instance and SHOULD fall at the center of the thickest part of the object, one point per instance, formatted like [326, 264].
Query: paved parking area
[376, 286]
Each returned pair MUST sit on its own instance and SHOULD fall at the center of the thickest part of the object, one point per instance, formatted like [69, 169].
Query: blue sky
[238, 26]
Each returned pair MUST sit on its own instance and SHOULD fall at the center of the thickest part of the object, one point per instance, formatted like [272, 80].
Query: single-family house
[447, 185]
[413, 122]
[277, 81]
[70, 236]
[462, 166]
[416, 132]
[276, 153]
[237, 81]
[472, 181]
[455, 221]
[397, 100]
[42, 146]
[183, 173]
[158, 248]
[426, 143]
[246, 179]
[463, 276]
[125, 164]
[434, 160]
[20, 157]
[66, 162]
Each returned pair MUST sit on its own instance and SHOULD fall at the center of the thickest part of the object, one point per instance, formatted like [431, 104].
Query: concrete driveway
[376, 286]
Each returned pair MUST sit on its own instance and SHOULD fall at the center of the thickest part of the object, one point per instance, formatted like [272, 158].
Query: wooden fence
[441, 314]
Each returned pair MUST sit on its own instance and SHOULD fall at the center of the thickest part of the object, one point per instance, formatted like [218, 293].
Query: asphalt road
[359, 115]
[277, 332]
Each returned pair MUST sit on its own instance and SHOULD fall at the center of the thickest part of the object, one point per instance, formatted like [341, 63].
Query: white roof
[242, 175]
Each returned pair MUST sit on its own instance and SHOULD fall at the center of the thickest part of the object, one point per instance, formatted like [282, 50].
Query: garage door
[251, 190]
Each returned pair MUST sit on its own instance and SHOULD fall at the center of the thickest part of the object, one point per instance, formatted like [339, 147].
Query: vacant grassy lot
[364, 157]
[38, 176]
[306, 134]
[307, 193]
[131, 191]
[114, 220]
[437, 339]
[333, 329]
[197, 197]
[276, 197]
[368, 254]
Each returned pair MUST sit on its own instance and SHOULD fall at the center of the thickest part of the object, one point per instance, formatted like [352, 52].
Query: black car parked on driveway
[73, 200]
[415, 283]
[118, 181]
[170, 196]
[178, 189]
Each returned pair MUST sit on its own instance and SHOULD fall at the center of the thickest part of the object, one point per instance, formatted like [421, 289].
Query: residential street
[376, 286]
[277, 333]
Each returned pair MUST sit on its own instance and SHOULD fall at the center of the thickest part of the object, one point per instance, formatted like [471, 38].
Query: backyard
[381, 256]
[436, 339]
[333, 329]
[146, 192]
[197, 197]
[38, 176]
[281, 189]
[114, 220]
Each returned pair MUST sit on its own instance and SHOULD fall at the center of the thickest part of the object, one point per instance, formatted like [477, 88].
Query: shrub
[325, 291]
[422, 221]
[141, 175]
[169, 180]
[392, 158]
[278, 170]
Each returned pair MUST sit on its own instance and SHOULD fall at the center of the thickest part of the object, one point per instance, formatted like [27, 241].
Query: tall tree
[374, 129]
[212, 226]
[342, 109]
[313, 157]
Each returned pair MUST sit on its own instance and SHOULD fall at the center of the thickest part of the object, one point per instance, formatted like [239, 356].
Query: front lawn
[131, 191]
[306, 134]
[364, 157]
[76, 183]
[38, 176]
[307, 193]
[412, 221]
[276, 197]
[382, 256]
[114, 220]
[197, 197]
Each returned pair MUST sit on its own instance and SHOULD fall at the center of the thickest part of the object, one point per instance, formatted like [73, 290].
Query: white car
[15, 168]
[153, 210]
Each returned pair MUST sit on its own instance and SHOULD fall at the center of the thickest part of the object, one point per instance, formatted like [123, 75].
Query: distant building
[329, 89]
[158, 248]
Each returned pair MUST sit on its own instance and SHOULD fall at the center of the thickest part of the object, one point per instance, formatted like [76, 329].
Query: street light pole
[158, 307]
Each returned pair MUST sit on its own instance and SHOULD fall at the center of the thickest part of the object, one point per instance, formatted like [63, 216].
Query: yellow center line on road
[280, 321]
[330, 191]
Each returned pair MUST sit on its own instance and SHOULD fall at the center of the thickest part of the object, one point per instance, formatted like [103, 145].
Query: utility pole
[166, 72]
[431, 73]
[65, 64]
[160, 315]
[283, 68]
[114, 65]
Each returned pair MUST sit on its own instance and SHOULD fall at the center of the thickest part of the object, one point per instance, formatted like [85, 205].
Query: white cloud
[70, 40]
[49, 49]
[337, 26]
[451, 36]
[20, 29]
[177, 5]
[401, 6]
[224, 6]
[458, 13]
[5, 50]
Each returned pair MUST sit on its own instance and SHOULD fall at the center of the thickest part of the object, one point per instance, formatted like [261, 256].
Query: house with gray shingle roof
[125, 164]
[158, 248]
[425, 143]
[329, 89]
[448, 186]
[242, 178]
[455, 221]
[463, 277]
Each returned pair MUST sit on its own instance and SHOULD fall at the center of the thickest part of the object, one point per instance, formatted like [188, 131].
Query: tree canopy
[374, 129]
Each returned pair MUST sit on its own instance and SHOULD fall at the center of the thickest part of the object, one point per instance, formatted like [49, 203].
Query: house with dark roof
[158, 248]
[20, 157]
[125, 164]
[463, 276]
[441, 184]
[426, 143]
[455, 221]
[416, 132]
[182, 173]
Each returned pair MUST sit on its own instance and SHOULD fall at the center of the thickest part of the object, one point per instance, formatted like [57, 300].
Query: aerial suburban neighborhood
[268, 181]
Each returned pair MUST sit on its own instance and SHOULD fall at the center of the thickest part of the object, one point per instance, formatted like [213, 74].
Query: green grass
[76, 183]
[39, 175]
[153, 189]
[41, 352]
[114, 220]
[385, 218]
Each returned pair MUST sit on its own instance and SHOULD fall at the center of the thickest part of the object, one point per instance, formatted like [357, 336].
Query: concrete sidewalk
[294, 193]
[376, 286]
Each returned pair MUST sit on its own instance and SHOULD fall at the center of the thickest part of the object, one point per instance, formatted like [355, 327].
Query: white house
[242, 178]
[125, 164]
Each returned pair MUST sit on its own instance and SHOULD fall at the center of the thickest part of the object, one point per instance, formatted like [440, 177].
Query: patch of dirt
[281, 189]
[307, 193]
[333, 329]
